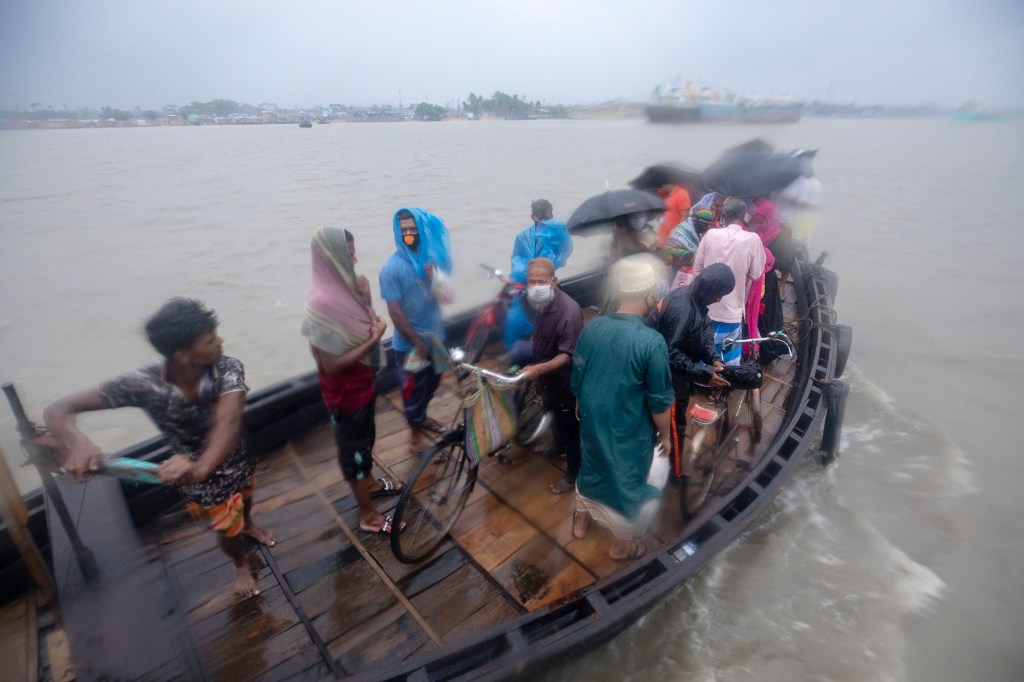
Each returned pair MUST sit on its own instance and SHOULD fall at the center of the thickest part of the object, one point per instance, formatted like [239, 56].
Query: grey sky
[150, 53]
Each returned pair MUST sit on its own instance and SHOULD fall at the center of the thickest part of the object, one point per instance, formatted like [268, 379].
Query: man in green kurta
[622, 380]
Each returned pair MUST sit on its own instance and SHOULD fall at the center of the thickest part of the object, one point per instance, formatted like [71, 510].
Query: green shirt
[621, 376]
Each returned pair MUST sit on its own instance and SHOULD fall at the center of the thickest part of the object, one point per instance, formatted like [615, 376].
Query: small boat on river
[507, 593]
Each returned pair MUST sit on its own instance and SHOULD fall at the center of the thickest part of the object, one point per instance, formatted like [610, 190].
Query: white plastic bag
[658, 475]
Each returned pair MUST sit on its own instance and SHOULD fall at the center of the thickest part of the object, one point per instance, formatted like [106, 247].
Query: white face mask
[540, 293]
[637, 222]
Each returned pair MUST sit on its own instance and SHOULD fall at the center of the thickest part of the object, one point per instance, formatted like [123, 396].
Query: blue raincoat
[435, 244]
[547, 239]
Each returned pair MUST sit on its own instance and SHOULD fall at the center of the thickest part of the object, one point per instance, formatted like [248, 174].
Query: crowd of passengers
[617, 386]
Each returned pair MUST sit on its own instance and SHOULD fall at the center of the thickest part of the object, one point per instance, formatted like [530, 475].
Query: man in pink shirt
[743, 253]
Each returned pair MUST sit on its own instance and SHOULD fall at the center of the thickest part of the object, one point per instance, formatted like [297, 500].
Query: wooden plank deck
[335, 600]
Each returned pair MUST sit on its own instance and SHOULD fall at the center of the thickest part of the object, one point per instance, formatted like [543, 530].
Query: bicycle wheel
[534, 420]
[433, 498]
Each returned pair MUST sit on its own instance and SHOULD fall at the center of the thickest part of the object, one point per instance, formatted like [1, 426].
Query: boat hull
[585, 618]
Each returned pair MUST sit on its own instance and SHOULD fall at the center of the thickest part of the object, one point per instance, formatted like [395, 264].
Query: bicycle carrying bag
[491, 420]
[743, 377]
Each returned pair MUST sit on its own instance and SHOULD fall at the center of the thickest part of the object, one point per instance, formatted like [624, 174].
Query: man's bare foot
[245, 582]
[580, 524]
[259, 534]
[624, 550]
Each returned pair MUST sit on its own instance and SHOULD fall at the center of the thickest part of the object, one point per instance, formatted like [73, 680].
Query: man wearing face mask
[621, 377]
[558, 324]
[408, 282]
[547, 238]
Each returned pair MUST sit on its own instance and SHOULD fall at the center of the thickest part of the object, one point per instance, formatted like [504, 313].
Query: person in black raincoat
[683, 321]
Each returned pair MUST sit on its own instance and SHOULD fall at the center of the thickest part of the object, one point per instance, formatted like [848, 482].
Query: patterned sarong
[728, 330]
[228, 517]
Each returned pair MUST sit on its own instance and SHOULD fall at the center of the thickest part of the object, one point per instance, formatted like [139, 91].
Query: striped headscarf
[683, 239]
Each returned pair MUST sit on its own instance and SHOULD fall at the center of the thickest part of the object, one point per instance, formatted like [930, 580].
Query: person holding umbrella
[678, 201]
[672, 182]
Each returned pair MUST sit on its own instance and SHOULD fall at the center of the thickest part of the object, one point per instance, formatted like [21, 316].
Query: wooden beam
[15, 517]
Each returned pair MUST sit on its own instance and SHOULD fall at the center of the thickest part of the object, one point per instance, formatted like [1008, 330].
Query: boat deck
[335, 600]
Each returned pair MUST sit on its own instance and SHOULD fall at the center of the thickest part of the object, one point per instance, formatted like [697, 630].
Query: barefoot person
[344, 334]
[195, 397]
[621, 377]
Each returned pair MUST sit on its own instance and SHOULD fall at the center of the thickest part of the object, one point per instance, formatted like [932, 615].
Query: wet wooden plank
[341, 634]
[429, 574]
[260, 626]
[18, 639]
[315, 543]
[312, 571]
[237, 615]
[455, 598]
[206, 593]
[491, 532]
[395, 642]
[540, 573]
[352, 610]
[308, 664]
[244, 665]
[355, 582]
[497, 609]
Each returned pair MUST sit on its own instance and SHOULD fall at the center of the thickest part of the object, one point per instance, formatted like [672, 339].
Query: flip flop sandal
[388, 487]
[637, 550]
[385, 528]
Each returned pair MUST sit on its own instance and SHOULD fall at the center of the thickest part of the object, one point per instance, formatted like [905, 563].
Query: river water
[903, 561]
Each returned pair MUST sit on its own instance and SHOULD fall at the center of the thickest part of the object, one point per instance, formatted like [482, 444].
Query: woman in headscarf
[764, 294]
[344, 335]
[683, 322]
[682, 244]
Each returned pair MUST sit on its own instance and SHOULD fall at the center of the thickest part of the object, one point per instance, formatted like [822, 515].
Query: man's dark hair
[348, 237]
[734, 209]
[542, 209]
[178, 324]
[405, 215]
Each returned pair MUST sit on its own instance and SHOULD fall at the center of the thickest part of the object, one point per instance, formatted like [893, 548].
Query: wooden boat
[507, 593]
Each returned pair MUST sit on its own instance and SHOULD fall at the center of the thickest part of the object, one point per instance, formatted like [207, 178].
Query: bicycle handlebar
[457, 355]
[779, 336]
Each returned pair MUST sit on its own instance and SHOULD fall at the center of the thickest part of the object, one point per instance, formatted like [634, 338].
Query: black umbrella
[605, 208]
[670, 171]
[752, 174]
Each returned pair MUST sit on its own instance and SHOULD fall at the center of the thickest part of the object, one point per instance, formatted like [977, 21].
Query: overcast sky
[151, 53]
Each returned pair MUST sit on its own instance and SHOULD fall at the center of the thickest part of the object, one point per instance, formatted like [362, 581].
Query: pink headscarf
[337, 317]
[767, 231]
[771, 227]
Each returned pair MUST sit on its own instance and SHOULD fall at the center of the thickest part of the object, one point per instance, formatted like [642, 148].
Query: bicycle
[716, 418]
[490, 321]
[436, 492]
